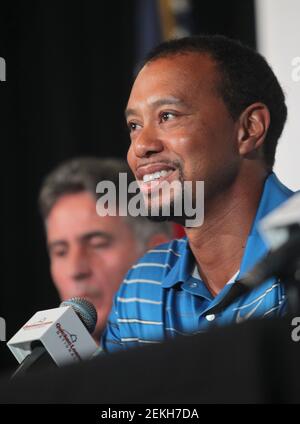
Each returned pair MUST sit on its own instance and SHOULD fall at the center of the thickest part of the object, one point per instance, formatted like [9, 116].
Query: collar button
[210, 317]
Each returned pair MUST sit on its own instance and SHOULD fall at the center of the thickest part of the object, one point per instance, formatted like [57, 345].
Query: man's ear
[254, 122]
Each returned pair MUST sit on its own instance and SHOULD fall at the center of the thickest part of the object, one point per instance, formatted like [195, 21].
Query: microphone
[281, 230]
[56, 337]
[283, 262]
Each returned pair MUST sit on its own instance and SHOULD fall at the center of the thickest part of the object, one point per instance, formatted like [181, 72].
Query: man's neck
[218, 245]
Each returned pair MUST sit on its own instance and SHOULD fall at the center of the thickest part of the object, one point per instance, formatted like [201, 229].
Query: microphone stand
[38, 359]
[288, 273]
[284, 264]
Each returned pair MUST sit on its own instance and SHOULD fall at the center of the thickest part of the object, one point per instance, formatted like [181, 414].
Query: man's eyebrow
[56, 243]
[156, 103]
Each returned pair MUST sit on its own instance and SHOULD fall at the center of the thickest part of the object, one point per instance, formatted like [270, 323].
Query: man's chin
[163, 213]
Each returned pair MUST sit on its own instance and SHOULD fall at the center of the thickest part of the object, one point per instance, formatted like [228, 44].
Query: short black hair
[245, 78]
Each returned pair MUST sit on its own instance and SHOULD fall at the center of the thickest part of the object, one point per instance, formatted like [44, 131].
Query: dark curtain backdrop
[69, 71]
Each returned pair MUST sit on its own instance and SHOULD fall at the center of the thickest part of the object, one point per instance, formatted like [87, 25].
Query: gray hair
[83, 174]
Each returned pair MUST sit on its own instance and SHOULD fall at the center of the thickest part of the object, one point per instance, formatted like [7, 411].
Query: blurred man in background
[90, 254]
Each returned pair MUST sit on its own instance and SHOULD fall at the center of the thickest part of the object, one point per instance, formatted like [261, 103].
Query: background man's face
[179, 124]
[89, 254]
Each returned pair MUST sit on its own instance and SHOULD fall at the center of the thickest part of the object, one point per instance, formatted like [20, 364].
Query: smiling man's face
[179, 126]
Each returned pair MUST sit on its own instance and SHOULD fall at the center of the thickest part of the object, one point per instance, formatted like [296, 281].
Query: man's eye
[58, 253]
[99, 244]
[166, 116]
[132, 126]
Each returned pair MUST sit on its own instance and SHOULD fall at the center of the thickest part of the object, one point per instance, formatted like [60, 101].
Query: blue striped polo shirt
[161, 296]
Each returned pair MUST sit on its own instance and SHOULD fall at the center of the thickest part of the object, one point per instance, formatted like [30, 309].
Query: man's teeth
[155, 175]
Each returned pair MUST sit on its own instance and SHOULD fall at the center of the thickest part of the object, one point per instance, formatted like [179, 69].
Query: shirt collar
[274, 194]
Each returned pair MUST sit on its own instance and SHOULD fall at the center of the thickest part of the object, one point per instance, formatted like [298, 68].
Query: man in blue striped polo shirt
[208, 109]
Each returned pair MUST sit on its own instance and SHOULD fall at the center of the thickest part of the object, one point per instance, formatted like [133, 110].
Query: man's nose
[79, 265]
[147, 142]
